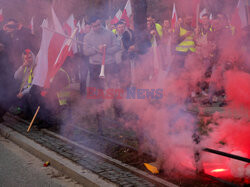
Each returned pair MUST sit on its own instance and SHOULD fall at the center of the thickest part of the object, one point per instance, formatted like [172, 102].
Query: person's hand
[131, 48]
[153, 32]
[25, 63]
[101, 47]
[20, 95]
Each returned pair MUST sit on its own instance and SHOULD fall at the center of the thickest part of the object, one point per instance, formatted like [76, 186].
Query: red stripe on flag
[54, 49]
[125, 17]
[173, 22]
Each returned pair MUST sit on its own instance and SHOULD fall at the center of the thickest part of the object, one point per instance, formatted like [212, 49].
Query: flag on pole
[174, 18]
[83, 24]
[239, 17]
[69, 26]
[78, 25]
[53, 51]
[32, 25]
[117, 17]
[211, 16]
[1, 15]
[127, 12]
[42, 58]
[203, 12]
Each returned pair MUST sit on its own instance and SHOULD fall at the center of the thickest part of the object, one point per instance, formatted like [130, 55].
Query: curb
[62, 164]
[115, 162]
[135, 171]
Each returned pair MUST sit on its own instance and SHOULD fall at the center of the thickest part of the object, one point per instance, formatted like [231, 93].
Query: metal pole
[226, 155]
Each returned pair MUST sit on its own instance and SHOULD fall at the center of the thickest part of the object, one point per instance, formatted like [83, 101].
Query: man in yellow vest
[25, 75]
[184, 42]
[56, 102]
[59, 92]
[155, 29]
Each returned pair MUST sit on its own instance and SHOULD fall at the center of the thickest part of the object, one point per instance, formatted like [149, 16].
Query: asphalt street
[19, 168]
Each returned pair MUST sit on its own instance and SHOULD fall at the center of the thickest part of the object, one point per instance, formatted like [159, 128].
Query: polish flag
[54, 49]
[83, 25]
[117, 17]
[174, 18]
[69, 26]
[78, 25]
[127, 12]
[32, 25]
[1, 15]
[203, 12]
[239, 17]
[211, 16]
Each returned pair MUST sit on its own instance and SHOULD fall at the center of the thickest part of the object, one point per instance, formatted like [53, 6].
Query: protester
[184, 41]
[7, 83]
[25, 75]
[205, 29]
[96, 42]
[84, 60]
[166, 44]
[17, 39]
[155, 29]
[127, 41]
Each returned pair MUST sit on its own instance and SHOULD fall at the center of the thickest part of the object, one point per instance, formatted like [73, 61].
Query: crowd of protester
[118, 42]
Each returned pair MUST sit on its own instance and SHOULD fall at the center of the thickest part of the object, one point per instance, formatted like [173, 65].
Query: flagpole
[247, 12]
[64, 35]
[67, 43]
[33, 119]
[197, 15]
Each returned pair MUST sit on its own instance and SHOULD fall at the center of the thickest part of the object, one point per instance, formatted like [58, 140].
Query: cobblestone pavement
[79, 156]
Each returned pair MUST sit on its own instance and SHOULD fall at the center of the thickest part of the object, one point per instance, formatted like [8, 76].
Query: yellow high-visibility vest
[30, 77]
[187, 44]
[210, 29]
[114, 31]
[159, 29]
[64, 94]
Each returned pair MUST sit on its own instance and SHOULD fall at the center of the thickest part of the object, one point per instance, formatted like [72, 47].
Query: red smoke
[237, 85]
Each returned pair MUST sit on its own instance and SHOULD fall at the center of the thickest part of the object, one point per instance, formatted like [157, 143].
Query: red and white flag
[211, 16]
[117, 17]
[174, 18]
[42, 59]
[69, 26]
[1, 15]
[239, 18]
[127, 12]
[82, 25]
[203, 12]
[54, 49]
[32, 25]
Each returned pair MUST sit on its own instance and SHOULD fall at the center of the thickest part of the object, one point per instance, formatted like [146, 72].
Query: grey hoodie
[93, 40]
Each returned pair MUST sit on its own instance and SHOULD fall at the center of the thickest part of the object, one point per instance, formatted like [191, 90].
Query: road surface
[20, 168]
